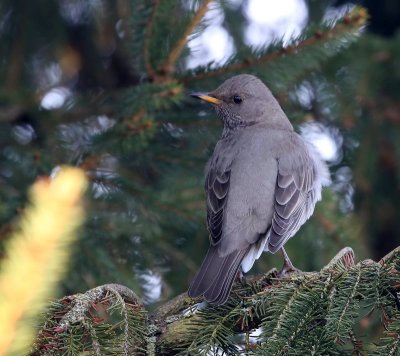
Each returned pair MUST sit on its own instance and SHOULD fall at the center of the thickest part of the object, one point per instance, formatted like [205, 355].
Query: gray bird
[262, 183]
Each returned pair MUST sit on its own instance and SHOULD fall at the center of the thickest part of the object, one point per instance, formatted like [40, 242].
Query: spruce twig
[354, 20]
[146, 50]
[311, 311]
[83, 302]
[168, 66]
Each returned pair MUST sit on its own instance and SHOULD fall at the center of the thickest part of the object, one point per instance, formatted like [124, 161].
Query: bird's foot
[240, 277]
[288, 267]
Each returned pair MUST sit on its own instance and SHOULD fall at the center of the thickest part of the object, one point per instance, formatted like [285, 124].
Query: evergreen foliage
[311, 313]
[106, 320]
[126, 120]
[40, 249]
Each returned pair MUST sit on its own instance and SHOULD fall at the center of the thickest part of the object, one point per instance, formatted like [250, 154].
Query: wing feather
[220, 189]
[286, 210]
[294, 201]
[217, 188]
[284, 194]
[285, 180]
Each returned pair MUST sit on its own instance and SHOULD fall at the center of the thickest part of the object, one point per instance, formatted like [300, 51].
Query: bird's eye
[237, 99]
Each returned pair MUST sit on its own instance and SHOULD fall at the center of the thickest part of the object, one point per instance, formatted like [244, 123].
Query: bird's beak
[206, 97]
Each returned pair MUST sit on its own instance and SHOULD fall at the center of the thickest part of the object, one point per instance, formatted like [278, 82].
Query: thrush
[262, 183]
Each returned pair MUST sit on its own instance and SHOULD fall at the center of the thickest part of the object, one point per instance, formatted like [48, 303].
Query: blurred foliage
[119, 69]
[37, 255]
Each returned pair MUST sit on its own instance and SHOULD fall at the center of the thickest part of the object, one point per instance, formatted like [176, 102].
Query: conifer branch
[74, 317]
[83, 302]
[347, 304]
[168, 66]
[175, 306]
[147, 38]
[390, 256]
[308, 311]
[345, 257]
[353, 21]
[95, 339]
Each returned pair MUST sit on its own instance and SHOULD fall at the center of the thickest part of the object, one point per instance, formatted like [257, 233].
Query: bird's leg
[287, 265]
[240, 277]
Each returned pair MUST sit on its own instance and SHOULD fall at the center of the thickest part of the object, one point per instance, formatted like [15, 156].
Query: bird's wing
[294, 198]
[217, 187]
[240, 199]
[215, 277]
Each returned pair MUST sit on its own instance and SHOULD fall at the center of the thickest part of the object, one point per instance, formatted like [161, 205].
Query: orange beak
[207, 98]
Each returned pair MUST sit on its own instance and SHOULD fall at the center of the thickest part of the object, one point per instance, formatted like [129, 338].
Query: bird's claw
[288, 269]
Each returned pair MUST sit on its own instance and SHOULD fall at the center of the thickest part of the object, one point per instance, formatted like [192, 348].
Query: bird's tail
[216, 275]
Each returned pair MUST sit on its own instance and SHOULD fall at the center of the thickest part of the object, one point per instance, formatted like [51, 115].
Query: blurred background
[78, 85]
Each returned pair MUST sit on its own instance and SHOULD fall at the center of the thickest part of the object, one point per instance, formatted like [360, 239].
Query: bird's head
[244, 100]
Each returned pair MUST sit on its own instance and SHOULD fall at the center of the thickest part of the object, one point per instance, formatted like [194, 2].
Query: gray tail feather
[216, 275]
